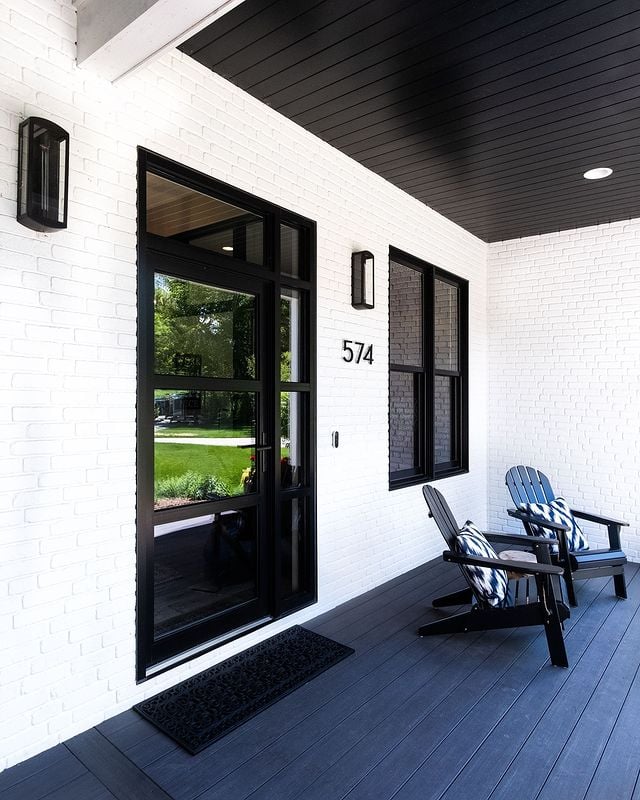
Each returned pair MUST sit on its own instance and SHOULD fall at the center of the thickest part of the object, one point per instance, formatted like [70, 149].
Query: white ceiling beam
[118, 37]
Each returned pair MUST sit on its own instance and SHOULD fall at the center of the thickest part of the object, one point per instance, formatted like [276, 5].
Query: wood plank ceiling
[486, 110]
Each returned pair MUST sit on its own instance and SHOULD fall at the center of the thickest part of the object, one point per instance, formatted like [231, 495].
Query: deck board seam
[518, 655]
[234, 735]
[145, 787]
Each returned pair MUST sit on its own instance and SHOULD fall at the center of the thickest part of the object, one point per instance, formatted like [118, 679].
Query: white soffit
[118, 37]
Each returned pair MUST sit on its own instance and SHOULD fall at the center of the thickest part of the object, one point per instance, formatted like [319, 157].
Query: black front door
[212, 440]
[225, 418]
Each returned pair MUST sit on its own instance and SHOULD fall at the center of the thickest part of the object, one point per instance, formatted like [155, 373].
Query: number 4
[368, 356]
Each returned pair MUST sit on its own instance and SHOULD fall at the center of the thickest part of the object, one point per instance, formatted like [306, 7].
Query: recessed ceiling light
[228, 248]
[598, 173]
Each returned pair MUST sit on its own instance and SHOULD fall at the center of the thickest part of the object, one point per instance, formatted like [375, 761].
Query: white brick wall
[564, 369]
[67, 375]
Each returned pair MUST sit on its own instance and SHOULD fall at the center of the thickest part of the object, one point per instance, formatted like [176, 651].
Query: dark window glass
[294, 556]
[445, 325]
[292, 260]
[405, 316]
[403, 421]
[427, 372]
[443, 419]
[203, 566]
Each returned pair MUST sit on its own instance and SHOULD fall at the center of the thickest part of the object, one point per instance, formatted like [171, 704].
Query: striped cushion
[491, 584]
[557, 511]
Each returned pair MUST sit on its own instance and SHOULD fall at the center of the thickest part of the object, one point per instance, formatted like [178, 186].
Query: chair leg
[555, 642]
[553, 629]
[460, 598]
[620, 584]
[571, 592]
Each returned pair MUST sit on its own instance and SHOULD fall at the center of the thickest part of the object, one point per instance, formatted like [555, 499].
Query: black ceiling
[486, 110]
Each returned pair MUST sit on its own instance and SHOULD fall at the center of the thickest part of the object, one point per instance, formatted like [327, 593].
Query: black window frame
[425, 467]
[151, 658]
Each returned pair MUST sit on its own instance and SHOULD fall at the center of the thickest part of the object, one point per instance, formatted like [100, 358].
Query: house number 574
[356, 351]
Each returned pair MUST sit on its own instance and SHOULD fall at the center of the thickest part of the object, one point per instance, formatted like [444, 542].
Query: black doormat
[205, 707]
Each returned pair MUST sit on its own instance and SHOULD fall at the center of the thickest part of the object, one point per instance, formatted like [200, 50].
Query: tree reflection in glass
[203, 330]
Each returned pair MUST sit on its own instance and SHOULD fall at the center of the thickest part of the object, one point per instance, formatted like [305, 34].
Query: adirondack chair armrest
[613, 525]
[542, 523]
[524, 567]
[518, 538]
[556, 528]
[591, 517]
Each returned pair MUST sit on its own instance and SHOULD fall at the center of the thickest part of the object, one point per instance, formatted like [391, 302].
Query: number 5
[347, 349]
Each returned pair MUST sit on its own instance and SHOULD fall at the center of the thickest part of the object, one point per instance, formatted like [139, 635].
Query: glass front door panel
[293, 546]
[294, 416]
[202, 446]
[292, 327]
[203, 331]
[203, 567]
[226, 511]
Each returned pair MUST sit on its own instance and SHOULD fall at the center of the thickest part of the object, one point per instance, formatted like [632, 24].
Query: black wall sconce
[43, 175]
[362, 295]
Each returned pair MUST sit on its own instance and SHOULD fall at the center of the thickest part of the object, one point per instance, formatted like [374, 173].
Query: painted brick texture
[564, 376]
[68, 371]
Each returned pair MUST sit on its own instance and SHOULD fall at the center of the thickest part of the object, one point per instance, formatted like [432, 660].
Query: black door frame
[159, 254]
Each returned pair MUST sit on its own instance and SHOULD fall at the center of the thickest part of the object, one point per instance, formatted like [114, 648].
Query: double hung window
[428, 310]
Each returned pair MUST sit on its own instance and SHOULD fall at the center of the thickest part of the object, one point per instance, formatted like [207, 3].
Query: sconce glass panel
[43, 175]
[362, 290]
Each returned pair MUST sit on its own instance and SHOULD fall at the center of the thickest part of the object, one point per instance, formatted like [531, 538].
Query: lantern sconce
[362, 294]
[43, 175]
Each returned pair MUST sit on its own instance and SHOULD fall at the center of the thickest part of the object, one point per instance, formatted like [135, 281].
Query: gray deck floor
[468, 716]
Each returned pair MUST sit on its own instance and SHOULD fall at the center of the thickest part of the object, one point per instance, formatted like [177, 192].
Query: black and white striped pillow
[557, 511]
[491, 584]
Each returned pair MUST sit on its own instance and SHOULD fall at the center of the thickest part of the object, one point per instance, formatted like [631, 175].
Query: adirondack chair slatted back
[527, 485]
[442, 515]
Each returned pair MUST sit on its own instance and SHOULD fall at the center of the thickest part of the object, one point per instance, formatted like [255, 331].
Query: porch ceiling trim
[117, 38]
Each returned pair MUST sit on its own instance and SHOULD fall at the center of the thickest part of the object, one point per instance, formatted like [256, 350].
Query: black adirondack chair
[529, 485]
[543, 610]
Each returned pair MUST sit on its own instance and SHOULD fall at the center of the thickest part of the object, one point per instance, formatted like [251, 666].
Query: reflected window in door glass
[203, 331]
[291, 331]
[186, 215]
[203, 446]
[294, 416]
[202, 567]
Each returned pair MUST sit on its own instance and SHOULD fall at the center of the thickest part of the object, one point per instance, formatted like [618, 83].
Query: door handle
[257, 447]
